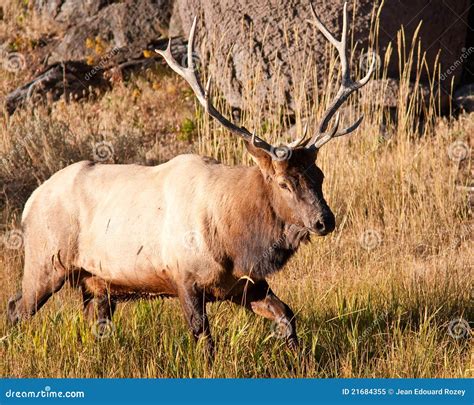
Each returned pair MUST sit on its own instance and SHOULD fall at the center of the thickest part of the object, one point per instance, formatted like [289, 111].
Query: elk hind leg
[98, 304]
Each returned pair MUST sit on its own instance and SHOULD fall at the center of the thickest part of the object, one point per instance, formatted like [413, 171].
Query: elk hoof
[13, 310]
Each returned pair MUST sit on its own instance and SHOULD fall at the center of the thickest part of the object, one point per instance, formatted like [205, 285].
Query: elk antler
[345, 90]
[189, 74]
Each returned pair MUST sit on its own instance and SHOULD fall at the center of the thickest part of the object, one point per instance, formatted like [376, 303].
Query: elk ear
[262, 158]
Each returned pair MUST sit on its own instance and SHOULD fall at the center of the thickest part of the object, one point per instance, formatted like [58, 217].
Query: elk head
[289, 170]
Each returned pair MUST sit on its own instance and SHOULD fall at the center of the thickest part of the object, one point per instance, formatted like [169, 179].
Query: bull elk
[191, 228]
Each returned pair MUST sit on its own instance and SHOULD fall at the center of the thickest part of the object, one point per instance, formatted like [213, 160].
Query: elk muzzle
[324, 223]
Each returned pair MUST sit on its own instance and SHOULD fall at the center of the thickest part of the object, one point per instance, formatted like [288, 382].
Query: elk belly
[122, 242]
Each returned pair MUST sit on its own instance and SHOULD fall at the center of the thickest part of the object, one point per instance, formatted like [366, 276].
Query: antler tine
[189, 74]
[190, 47]
[320, 142]
[348, 86]
[339, 45]
[327, 137]
[300, 141]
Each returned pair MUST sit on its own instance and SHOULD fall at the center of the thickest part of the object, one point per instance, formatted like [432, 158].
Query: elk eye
[284, 186]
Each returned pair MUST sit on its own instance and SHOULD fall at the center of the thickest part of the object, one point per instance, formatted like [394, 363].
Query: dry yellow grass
[377, 298]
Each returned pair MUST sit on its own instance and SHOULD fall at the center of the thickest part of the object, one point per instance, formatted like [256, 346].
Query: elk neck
[251, 233]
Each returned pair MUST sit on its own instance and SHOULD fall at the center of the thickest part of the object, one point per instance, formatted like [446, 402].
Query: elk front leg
[260, 299]
[193, 303]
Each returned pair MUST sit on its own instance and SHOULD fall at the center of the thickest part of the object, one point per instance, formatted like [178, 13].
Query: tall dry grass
[377, 298]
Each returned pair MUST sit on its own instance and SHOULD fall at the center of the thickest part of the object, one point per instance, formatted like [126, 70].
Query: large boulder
[106, 30]
[70, 12]
[275, 37]
[95, 44]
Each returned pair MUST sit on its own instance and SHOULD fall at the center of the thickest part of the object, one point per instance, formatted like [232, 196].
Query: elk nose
[320, 227]
[325, 224]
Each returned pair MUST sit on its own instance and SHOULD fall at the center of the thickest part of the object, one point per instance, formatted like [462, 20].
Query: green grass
[365, 321]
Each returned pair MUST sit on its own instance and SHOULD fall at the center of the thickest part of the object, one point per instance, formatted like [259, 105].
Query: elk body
[191, 228]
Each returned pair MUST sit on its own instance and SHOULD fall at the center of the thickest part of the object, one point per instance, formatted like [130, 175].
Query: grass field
[388, 294]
